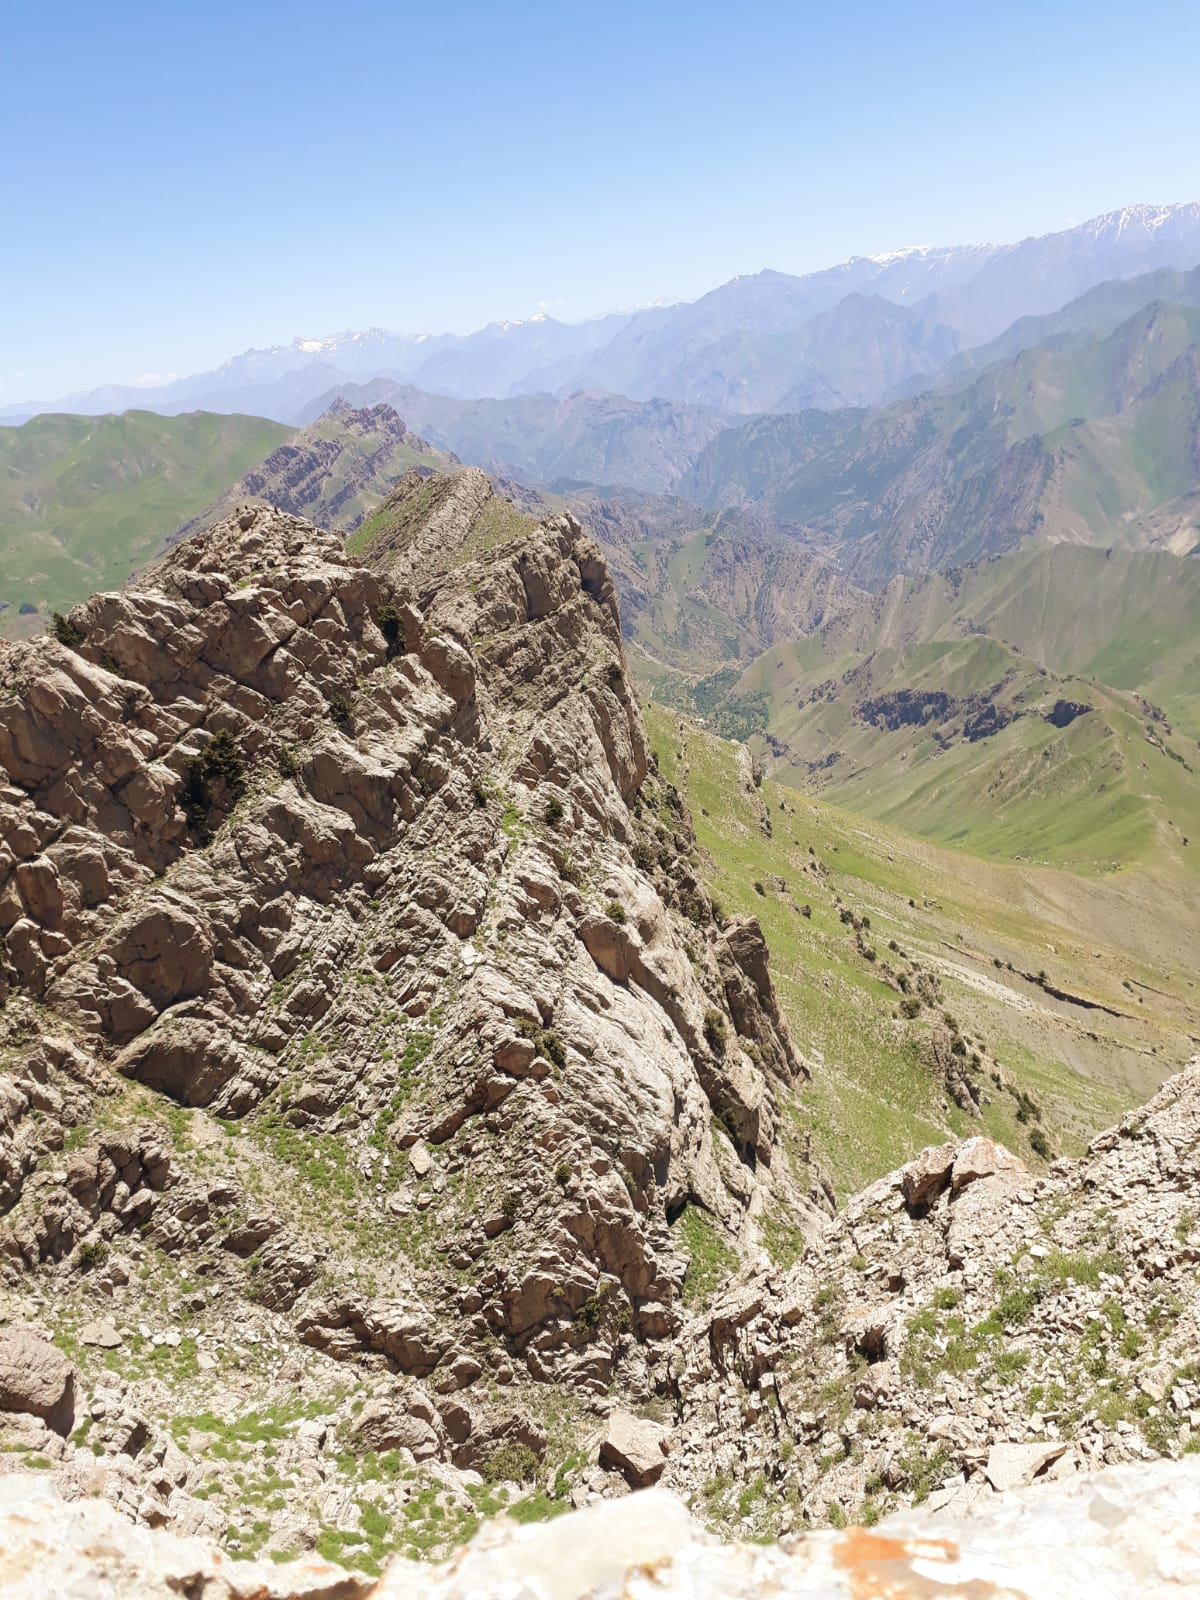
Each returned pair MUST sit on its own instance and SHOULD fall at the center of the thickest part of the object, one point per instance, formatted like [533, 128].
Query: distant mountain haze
[854, 334]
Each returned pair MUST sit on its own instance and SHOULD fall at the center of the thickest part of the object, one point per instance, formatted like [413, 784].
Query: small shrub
[1028, 1108]
[391, 626]
[910, 1006]
[1013, 1309]
[511, 1462]
[65, 631]
[289, 762]
[478, 792]
[715, 1031]
[553, 813]
[562, 1172]
[591, 1313]
[341, 709]
[1041, 1145]
[220, 761]
[615, 912]
[544, 1040]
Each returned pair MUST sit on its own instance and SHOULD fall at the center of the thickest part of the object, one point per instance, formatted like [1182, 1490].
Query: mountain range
[853, 334]
[1092, 438]
[1088, 437]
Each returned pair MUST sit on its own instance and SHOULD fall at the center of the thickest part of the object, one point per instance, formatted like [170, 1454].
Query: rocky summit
[371, 1045]
[391, 1126]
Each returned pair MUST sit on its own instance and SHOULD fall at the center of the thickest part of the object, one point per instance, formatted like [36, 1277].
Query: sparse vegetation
[716, 1033]
[218, 769]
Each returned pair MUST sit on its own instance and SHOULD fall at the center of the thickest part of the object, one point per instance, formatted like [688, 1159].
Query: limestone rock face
[335, 471]
[359, 993]
[1129, 1531]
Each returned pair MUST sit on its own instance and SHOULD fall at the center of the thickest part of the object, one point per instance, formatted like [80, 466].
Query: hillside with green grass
[1069, 997]
[970, 743]
[1130, 619]
[86, 501]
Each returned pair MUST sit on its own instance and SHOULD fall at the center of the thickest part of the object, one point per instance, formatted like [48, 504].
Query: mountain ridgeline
[855, 334]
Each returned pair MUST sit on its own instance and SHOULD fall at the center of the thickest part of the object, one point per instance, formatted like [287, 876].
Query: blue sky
[182, 180]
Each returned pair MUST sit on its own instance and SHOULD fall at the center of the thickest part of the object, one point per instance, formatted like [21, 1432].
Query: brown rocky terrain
[389, 1119]
[376, 1070]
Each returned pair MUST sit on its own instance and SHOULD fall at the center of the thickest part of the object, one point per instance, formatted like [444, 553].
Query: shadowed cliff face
[367, 863]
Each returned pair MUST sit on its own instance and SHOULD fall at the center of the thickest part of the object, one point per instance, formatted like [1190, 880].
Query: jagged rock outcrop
[962, 1328]
[359, 984]
[1129, 1531]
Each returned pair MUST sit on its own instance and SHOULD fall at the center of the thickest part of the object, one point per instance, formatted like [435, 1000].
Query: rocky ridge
[376, 1069]
[334, 472]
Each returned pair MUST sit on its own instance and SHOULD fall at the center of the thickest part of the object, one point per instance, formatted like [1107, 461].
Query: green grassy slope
[84, 501]
[955, 739]
[978, 926]
[1129, 618]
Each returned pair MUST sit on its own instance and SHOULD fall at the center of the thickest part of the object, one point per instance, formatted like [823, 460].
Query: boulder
[636, 1447]
[36, 1379]
[926, 1174]
[981, 1157]
[100, 1334]
[1012, 1466]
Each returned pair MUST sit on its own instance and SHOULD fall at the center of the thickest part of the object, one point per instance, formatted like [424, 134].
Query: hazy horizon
[185, 184]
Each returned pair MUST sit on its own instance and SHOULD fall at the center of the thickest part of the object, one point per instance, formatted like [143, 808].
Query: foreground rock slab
[1130, 1531]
